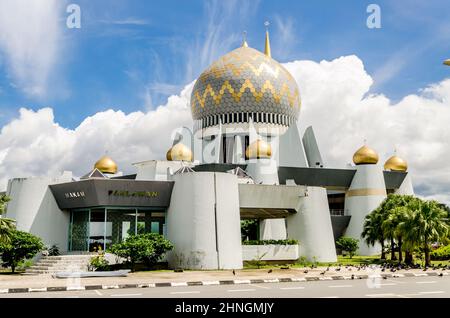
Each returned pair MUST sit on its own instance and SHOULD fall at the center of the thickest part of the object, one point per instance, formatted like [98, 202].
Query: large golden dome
[258, 150]
[106, 165]
[365, 155]
[244, 84]
[179, 152]
[395, 163]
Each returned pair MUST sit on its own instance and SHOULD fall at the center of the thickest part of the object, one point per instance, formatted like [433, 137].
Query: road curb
[217, 282]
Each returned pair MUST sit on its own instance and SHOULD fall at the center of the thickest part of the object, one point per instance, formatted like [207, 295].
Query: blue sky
[131, 55]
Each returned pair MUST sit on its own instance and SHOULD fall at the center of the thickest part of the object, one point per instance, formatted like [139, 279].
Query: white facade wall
[311, 226]
[203, 221]
[270, 252]
[157, 170]
[406, 187]
[365, 194]
[35, 210]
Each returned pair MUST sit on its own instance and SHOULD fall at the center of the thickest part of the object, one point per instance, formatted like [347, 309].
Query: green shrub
[24, 264]
[270, 242]
[441, 253]
[148, 248]
[303, 261]
[22, 246]
[347, 244]
[99, 263]
[54, 250]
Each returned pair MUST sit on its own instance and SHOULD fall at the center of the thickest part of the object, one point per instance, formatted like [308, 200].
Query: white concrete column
[265, 171]
[238, 150]
[311, 226]
[272, 229]
[203, 221]
[365, 194]
[228, 220]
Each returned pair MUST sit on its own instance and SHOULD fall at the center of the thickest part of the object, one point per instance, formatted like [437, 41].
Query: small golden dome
[395, 163]
[106, 165]
[258, 150]
[365, 155]
[179, 152]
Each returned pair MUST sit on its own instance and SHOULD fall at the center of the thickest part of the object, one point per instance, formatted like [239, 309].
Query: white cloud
[30, 35]
[335, 102]
[34, 144]
[219, 34]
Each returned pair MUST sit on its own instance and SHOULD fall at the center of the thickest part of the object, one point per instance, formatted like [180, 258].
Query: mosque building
[243, 159]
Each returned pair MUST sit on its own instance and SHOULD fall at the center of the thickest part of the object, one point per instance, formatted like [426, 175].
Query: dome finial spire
[244, 40]
[267, 46]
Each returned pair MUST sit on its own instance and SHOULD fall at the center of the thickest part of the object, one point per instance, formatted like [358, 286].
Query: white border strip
[110, 287]
[211, 282]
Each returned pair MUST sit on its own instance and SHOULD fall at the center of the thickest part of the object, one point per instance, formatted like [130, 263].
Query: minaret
[396, 163]
[267, 46]
[367, 190]
[264, 170]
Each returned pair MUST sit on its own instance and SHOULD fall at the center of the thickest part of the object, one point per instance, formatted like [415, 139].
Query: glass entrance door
[96, 228]
[79, 229]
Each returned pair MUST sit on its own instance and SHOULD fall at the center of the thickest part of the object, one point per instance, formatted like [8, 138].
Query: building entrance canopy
[112, 192]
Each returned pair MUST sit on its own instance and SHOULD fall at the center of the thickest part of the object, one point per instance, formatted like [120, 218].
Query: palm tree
[424, 224]
[372, 232]
[391, 229]
[6, 225]
[393, 208]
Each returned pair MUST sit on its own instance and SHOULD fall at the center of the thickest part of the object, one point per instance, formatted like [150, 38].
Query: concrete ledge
[221, 282]
[270, 252]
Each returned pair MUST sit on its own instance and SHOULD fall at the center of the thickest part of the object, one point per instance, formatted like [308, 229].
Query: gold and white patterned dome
[244, 84]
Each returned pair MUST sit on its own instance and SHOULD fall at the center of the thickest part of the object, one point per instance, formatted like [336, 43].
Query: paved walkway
[36, 282]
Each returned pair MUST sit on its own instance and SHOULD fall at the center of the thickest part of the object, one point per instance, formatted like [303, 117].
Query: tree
[425, 223]
[348, 244]
[372, 232]
[6, 225]
[249, 229]
[147, 248]
[390, 220]
[22, 245]
[390, 214]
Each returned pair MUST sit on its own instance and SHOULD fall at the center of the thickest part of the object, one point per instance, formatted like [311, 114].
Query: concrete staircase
[63, 263]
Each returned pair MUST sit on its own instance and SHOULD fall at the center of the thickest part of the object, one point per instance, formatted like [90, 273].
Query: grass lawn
[7, 271]
[343, 260]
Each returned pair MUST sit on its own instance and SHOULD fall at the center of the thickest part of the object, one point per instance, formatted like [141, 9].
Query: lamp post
[447, 62]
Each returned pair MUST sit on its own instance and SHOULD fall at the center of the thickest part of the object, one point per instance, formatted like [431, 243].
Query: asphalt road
[409, 287]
